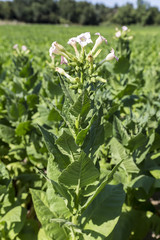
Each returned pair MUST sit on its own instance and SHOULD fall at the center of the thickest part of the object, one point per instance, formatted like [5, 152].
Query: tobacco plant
[79, 202]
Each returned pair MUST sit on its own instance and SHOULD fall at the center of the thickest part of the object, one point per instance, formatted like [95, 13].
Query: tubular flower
[124, 28]
[84, 39]
[111, 56]
[57, 49]
[98, 42]
[64, 60]
[24, 48]
[118, 34]
[62, 72]
[15, 46]
[73, 43]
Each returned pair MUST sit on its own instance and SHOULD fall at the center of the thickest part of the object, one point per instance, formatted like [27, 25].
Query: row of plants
[79, 152]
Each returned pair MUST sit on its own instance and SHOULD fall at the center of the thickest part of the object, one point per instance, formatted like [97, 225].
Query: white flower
[84, 39]
[111, 56]
[56, 49]
[72, 41]
[15, 46]
[64, 60]
[24, 48]
[118, 34]
[98, 42]
[124, 28]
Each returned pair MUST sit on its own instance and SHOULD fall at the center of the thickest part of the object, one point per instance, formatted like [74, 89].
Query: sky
[111, 3]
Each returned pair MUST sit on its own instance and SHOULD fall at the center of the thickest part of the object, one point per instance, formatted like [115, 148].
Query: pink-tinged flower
[24, 48]
[118, 34]
[56, 49]
[73, 43]
[84, 39]
[98, 42]
[124, 28]
[111, 56]
[15, 46]
[64, 60]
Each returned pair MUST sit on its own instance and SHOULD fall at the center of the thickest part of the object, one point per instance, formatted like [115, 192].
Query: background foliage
[125, 127]
[70, 11]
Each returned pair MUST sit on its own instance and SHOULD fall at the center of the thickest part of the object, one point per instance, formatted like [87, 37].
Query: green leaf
[23, 128]
[83, 133]
[54, 115]
[32, 100]
[144, 182]
[155, 173]
[122, 65]
[56, 203]
[102, 184]
[67, 145]
[15, 220]
[103, 213]
[79, 173]
[49, 138]
[27, 70]
[7, 134]
[119, 153]
[42, 235]
[81, 106]
[52, 230]
[119, 132]
[128, 90]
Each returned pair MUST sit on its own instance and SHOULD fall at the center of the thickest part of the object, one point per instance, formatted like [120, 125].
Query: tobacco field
[79, 132]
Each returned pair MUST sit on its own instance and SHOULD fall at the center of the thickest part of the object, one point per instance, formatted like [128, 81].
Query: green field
[79, 142]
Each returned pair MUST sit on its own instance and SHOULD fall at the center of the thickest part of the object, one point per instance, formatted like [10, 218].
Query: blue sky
[111, 3]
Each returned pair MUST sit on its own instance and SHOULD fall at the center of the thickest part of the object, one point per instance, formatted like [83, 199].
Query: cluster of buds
[23, 50]
[84, 63]
[123, 34]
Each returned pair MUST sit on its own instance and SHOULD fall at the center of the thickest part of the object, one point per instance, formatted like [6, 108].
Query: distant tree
[125, 15]
[67, 10]
[87, 14]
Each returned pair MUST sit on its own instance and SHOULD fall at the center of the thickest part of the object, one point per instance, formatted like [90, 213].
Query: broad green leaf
[119, 153]
[144, 182]
[49, 138]
[42, 235]
[142, 152]
[54, 115]
[32, 100]
[103, 213]
[15, 220]
[122, 66]
[67, 145]
[56, 203]
[82, 134]
[79, 173]
[137, 141]
[27, 70]
[128, 90]
[119, 132]
[155, 173]
[101, 186]
[52, 230]
[7, 134]
[81, 106]
[23, 128]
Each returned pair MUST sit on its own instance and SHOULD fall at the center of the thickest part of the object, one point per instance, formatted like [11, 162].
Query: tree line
[84, 13]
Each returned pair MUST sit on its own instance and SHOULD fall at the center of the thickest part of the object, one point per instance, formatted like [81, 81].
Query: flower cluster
[123, 34]
[84, 63]
[22, 50]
